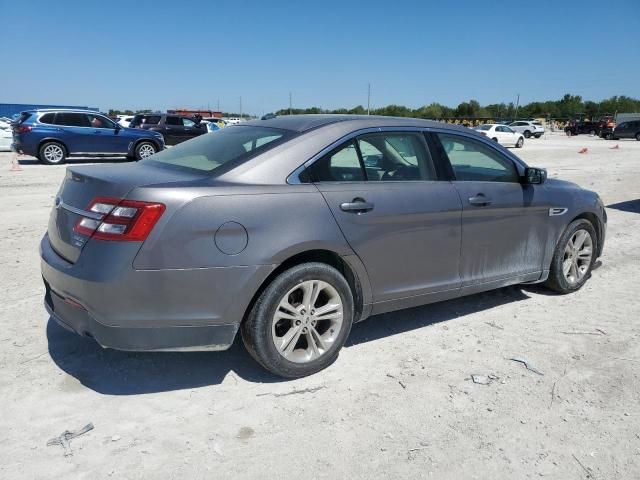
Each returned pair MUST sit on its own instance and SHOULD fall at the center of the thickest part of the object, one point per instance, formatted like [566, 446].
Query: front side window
[98, 121]
[395, 157]
[473, 161]
[188, 123]
[339, 165]
[209, 152]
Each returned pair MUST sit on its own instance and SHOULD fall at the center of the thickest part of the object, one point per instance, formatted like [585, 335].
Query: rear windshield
[483, 127]
[208, 152]
[23, 116]
[537, 123]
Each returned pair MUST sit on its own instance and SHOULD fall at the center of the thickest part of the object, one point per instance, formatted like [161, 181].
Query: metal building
[11, 109]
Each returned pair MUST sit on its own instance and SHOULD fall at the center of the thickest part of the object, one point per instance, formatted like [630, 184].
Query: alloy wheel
[577, 256]
[53, 153]
[146, 150]
[307, 321]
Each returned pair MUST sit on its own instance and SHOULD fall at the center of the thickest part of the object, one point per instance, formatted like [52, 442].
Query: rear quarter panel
[280, 221]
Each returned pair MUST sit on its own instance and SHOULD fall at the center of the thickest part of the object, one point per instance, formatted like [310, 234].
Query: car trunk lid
[83, 184]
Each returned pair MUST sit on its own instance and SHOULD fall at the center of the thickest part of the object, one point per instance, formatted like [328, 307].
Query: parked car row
[624, 130]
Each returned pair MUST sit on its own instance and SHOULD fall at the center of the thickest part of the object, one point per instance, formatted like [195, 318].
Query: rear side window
[234, 144]
[483, 127]
[177, 121]
[72, 119]
[473, 161]
[339, 165]
[151, 119]
[47, 118]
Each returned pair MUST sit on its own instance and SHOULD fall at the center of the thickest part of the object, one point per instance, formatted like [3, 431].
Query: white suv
[528, 129]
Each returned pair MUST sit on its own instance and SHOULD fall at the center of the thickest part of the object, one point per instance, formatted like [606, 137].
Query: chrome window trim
[294, 177]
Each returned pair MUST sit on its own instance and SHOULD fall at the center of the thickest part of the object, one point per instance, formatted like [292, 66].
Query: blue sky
[164, 54]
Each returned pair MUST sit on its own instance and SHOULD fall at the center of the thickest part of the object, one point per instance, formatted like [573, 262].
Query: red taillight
[123, 220]
[24, 129]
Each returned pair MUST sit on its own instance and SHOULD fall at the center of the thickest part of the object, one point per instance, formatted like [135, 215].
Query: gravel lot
[398, 403]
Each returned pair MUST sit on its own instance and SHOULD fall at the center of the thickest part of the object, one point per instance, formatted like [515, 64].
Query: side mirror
[118, 127]
[534, 176]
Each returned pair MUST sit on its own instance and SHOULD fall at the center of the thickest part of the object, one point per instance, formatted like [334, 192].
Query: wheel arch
[327, 257]
[593, 219]
[53, 140]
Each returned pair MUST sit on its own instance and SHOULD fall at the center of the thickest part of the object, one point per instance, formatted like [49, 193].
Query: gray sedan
[291, 229]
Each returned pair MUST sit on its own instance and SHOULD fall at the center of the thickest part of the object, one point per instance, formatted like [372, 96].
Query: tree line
[569, 106]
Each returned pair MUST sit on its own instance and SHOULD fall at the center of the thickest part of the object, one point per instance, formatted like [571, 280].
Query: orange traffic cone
[583, 150]
[616, 147]
[15, 164]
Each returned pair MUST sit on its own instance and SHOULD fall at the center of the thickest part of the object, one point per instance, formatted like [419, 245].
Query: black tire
[557, 280]
[538, 135]
[143, 148]
[520, 143]
[608, 136]
[495, 140]
[527, 134]
[568, 132]
[257, 327]
[52, 153]
[638, 137]
[592, 133]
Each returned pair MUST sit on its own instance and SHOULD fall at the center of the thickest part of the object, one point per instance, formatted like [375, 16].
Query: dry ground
[399, 402]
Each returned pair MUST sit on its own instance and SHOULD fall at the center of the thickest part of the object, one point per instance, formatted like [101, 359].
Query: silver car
[291, 229]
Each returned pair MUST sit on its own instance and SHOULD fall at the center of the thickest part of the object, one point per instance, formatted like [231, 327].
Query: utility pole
[369, 99]
[515, 117]
[290, 103]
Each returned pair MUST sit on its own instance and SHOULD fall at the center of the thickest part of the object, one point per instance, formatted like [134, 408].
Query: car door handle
[480, 200]
[358, 205]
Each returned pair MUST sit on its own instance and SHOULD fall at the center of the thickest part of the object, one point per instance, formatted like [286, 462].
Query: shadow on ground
[75, 160]
[113, 372]
[632, 206]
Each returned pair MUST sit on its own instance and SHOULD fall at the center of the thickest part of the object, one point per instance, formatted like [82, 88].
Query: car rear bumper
[147, 310]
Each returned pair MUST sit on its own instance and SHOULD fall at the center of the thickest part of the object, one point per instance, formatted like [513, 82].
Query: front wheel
[569, 133]
[520, 142]
[592, 133]
[144, 150]
[301, 321]
[573, 258]
[52, 153]
[608, 136]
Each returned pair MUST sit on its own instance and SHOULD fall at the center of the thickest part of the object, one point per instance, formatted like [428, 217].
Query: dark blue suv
[53, 135]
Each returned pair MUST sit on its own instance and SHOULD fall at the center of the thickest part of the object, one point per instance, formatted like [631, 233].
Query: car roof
[303, 123]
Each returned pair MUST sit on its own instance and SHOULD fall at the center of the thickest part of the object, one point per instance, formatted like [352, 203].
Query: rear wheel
[52, 153]
[608, 136]
[520, 142]
[638, 136]
[592, 133]
[144, 150]
[494, 139]
[569, 133]
[538, 135]
[573, 258]
[300, 322]
[527, 134]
